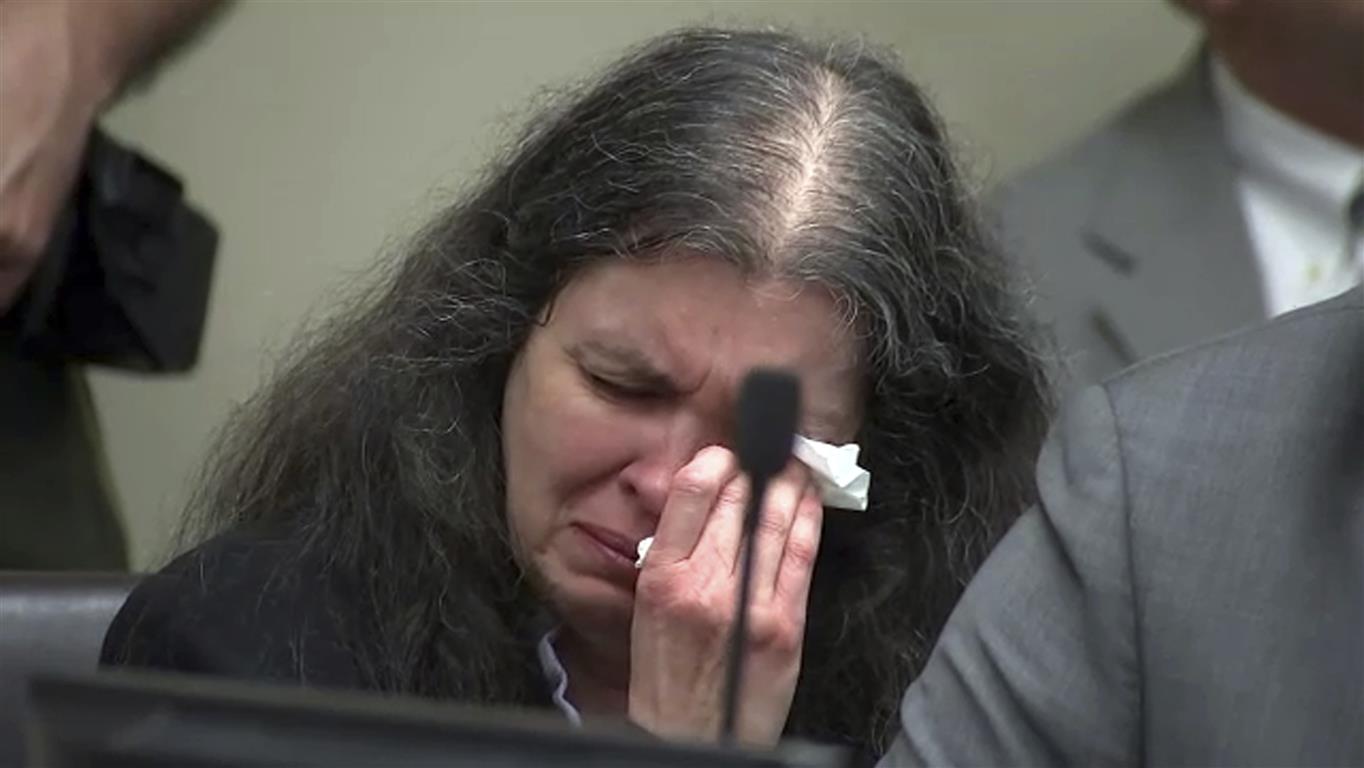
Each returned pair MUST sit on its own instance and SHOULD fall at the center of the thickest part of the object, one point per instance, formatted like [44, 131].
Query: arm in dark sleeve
[241, 607]
[1038, 664]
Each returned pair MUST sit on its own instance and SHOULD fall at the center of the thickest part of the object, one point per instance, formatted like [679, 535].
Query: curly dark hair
[377, 442]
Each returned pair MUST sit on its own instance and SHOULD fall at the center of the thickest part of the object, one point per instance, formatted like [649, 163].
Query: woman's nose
[649, 478]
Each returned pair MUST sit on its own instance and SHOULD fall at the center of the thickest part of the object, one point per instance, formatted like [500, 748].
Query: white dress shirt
[1296, 187]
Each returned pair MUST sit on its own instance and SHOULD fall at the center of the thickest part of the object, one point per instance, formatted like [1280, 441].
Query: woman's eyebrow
[625, 360]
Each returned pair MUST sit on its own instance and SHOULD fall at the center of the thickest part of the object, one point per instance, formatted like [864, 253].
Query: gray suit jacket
[1135, 238]
[1190, 588]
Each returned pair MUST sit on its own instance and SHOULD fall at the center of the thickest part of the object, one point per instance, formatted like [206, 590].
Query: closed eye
[620, 373]
[620, 389]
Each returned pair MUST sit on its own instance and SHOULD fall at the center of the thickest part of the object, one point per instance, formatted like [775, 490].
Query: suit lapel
[1167, 221]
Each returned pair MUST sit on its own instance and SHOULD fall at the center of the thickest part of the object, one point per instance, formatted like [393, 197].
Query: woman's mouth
[613, 542]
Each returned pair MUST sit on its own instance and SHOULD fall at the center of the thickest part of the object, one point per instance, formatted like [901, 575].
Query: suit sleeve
[242, 609]
[1038, 664]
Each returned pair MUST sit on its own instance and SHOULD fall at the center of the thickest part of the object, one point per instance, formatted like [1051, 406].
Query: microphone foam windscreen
[769, 401]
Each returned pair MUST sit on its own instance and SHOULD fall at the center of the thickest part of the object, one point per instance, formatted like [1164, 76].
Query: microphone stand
[769, 404]
[734, 671]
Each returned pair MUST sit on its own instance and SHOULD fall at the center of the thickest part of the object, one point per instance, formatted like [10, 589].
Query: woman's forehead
[708, 302]
[698, 319]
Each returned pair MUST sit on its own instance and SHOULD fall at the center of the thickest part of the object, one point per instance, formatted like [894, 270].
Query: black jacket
[257, 607]
[243, 606]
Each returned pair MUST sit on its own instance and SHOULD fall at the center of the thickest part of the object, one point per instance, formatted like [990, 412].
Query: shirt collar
[556, 677]
[1273, 144]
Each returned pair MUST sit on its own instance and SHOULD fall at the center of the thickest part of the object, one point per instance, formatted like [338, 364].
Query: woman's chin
[596, 615]
[602, 600]
[585, 597]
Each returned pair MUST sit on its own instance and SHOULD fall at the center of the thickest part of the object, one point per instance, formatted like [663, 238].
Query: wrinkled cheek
[585, 443]
[566, 450]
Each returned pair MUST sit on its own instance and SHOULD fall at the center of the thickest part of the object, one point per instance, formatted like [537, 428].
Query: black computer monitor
[135, 718]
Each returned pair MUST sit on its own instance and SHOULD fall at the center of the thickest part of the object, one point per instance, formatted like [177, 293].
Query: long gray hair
[378, 443]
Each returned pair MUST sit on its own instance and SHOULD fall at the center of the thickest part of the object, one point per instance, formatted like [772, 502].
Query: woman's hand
[687, 592]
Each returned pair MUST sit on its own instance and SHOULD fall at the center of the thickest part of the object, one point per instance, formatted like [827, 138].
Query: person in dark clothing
[62, 62]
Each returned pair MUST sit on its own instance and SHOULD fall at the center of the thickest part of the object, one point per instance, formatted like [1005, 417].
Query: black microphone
[769, 401]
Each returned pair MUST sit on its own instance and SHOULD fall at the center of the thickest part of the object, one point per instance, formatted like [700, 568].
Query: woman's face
[637, 368]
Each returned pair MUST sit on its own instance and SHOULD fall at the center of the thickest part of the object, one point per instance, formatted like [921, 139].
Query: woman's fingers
[725, 528]
[683, 615]
[704, 518]
[686, 514]
[792, 585]
[784, 494]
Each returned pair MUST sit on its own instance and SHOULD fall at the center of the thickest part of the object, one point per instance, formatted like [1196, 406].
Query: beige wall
[316, 132]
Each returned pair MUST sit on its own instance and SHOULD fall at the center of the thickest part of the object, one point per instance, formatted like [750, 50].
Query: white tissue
[842, 483]
[642, 549]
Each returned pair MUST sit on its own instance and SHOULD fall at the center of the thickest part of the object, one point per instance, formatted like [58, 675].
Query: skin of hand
[687, 592]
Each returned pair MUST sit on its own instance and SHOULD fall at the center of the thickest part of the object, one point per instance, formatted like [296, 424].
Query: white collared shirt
[1296, 186]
